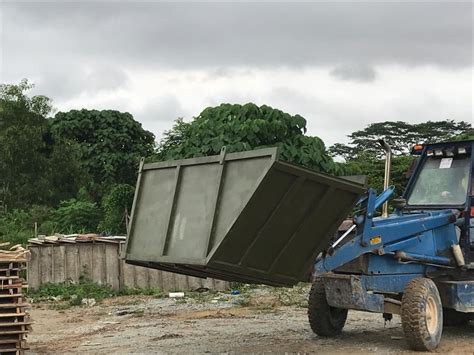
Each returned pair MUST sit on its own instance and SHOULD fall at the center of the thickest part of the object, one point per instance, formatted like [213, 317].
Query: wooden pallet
[15, 321]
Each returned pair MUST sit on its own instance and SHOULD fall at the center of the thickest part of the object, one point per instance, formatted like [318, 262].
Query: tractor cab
[442, 179]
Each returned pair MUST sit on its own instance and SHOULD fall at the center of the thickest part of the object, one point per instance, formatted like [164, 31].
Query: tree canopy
[36, 167]
[400, 135]
[245, 127]
[110, 143]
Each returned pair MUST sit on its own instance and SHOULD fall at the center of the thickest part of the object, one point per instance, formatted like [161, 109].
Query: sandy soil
[138, 324]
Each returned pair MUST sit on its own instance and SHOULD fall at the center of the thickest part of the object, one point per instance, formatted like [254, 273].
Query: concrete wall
[101, 262]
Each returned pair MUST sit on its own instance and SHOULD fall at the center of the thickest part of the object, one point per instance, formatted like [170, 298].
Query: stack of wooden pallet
[14, 320]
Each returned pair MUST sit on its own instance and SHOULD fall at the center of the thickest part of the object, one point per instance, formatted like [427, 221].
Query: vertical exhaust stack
[388, 165]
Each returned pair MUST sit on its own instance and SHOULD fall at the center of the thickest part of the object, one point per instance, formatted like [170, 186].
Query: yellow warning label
[376, 240]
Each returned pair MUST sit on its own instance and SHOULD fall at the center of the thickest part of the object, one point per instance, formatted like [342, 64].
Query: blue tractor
[416, 262]
[250, 217]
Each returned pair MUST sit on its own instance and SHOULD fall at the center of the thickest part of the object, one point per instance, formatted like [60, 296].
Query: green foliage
[15, 227]
[36, 168]
[116, 203]
[74, 293]
[110, 143]
[74, 216]
[467, 135]
[246, 127]
[16, 96]
[85, 288]
[374, 169]
[155, 292]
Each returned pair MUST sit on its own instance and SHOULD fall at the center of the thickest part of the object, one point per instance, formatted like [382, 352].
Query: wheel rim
[431, 315]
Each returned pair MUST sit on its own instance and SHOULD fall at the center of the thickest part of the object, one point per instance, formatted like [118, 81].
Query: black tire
[324, 320]
[453, 318]
[422, 314]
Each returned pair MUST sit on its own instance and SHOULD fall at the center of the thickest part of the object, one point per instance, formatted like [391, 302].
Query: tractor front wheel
[422, 314]
[324, 320]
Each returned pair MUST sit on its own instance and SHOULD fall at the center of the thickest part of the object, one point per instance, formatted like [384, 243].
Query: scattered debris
[122, 312]
[89, 302]
[176, 294]
[396, 338]
[167, 336]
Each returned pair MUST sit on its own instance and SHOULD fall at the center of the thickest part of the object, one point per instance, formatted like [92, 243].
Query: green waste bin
[244, 217]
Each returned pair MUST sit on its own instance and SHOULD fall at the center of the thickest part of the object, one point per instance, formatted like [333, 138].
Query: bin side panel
[192, 216]
[151, 212]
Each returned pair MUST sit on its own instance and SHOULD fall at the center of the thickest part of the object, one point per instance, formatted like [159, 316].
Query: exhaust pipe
[386, 179]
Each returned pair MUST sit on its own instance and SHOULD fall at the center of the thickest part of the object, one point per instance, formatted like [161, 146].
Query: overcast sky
[341, 65]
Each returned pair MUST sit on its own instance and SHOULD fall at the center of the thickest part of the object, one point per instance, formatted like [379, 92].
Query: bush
[76, 216]
[118, 200]
[74, 293]
[16, 227]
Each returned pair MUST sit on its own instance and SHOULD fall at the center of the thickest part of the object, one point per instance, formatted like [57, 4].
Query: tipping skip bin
[244, 217]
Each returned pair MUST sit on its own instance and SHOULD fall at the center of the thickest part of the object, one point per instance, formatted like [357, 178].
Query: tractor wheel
[324, 320]
[453, 318]
[422, 314]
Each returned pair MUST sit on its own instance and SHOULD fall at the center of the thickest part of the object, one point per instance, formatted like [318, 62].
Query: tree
[110, 143]
[36, 168]
[245, 127]
[400, 135]
[364, 155]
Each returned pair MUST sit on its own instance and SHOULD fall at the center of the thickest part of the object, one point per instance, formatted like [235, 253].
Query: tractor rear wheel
[324, 320]
[422, 314]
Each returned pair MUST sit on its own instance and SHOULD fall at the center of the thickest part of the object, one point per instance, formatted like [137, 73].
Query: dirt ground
[222, 324]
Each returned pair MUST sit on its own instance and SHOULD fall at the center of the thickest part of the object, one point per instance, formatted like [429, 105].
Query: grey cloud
[185, 35]
[354, 72]
[165, 108]
[158, 116]
[62, 82]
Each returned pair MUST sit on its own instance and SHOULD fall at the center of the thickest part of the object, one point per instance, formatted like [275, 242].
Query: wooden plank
[182, 282]
[13, 305]
[10, 341]
[86, 263]
[141, 277]
[7, 332]
[97, 267]
[72, 262]
[168, 281]
[46, 264]
[6, 315]
[33, 270]
[194, 282]
[209, 283]
[128, 275]
[112, 266]
[221, 285]
[59, 258]
[14, 324]
[155, 279]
